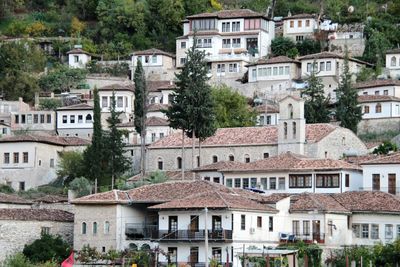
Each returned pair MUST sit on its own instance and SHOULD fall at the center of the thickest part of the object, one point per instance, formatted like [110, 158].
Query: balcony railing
[306, 238]
[193, 235]
[193, 264]
[138, 231]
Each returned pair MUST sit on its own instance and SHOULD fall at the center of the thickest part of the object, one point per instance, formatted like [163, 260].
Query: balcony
[193, 264]
[306, 238]
[192, 235]
[139, 231]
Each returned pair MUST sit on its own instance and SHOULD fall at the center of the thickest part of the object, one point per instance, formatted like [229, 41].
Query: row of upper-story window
[77, 119]
[271, 71]
[106, 101]
[300, 23]
[154, 136]
[391, 182]
[146, 59]
[378, 92]
[323, 66]
[371, 231]
[295, 181]
[23, 157]
[228, 26]
[32, 118]
[378, 108]
[95, 225]
[232, 67]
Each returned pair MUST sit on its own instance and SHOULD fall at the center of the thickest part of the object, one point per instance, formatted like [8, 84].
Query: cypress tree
[316, 104]
[141, 111]
[348, 112]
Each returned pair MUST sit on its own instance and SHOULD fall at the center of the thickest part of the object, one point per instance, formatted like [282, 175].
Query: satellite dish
[350, 9]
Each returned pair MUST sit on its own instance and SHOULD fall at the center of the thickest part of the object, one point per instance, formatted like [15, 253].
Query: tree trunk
[183, 154]
[193, 156]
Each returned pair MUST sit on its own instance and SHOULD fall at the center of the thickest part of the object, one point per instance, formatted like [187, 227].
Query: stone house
[28, 161]
[34, 121]
[393, 63]
[247, 144]
[350, 36]
[8, 201]
[21, 226]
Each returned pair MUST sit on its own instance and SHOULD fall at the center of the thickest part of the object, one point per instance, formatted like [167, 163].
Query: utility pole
[206, 237]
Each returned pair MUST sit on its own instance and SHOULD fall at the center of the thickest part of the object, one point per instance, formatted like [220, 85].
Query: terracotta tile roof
[323, 55]
[155, 86]
[376, 83]
[13, 199]
[369, 201]
[393, 51]
[275, 197]
[215, 199]
[171, 175]
[377, 98]
[240, 136]
[51, 199]
[78, 51]
[156, 121]
[219, 165]
[153, 51]
[302, 16]
[371, 145]
[292, 162]
[385, 159]
[118, 87]
[53, 140]
[81, 106]
[358, 160]
[110, 197]
[157, 107]
[36, 215]
[126, 124]
[227, 14]
[274, 60]
[267, 108]
[306, 202]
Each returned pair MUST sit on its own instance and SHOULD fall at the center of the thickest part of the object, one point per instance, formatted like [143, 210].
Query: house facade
[78, 58]
[267, 114]
[393, 63]
[75, 120]
[34, 121]
[157, 64]
[301, 26]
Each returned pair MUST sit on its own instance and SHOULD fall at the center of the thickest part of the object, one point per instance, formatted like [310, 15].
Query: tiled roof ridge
[316, 202]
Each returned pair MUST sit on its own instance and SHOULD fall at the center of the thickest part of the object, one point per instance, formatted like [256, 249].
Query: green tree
[93, 155]
[348, 112]
[232, 108]
[62, 79]
[316, 104]
[71, 166]
[283, 46]
[49, 104]
[376, 46]
[118, 164]
[140, 111]
[385, 148]
[81, 186]
[308, 46]
[47, 248]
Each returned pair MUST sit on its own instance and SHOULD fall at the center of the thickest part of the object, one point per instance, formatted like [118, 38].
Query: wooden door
[392, 183]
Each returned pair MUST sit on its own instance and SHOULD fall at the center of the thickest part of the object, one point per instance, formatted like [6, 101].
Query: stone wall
[15, 234]
[378, 125]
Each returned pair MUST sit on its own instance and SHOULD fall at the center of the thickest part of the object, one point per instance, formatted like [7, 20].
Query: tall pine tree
[316, 104]
[348, 112]
[118, 164]
[141, 111]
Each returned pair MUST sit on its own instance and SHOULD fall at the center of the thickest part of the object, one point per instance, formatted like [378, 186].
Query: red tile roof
[227, 14]
[292, 162]
[13, 199]
[274, 60]
[78, 51]
[81, 106]
[52, 140]
[393, 51]
[376, 83]
[385, 159]
[155, 86]
[323, 55]
[267, 108]
[156, 121]
[110, 197]
[240, 136]
[36, 215]
[153, 51]
[219, 165]
[118, 87]
[307, 202]
[377, 98]
[51, 199]
[171, 175]
[302, 16]
[157, 107]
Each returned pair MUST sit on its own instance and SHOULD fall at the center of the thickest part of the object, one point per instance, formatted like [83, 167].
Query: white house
[78, 58]
[301, 26]
[267, 114]
[28, 161]
[382, 174]
[393, 63]
[75, 120]
[379, 106]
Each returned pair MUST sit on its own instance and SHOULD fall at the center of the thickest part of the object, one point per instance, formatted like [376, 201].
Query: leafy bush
[81, 186]
[71, 166]
[47, 248]
[385, 148]
[6, 189]
[17, 260]
[49, 104]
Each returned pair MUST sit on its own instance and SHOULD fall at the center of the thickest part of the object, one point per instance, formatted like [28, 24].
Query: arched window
[378, 108]
[107, 227]
[95, 228]
[231, 157]
[214, 159]
[246, 158]
[179, 162]
[160, 163]
[393, 61]
[290, 109]
[133, 246]
[366, 109]
[88, 118]
[83, 228]
[294, 129]
[145, 247]
[285, 130]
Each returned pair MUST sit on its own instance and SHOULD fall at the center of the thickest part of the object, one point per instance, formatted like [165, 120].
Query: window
[296, 227]
[107, 227]
[51, 163]
[252, 24]
[378, 108]
[173, 254]
[16, 157]
[266, 155]
[220, 68]
[25, 158]
[307, 23]
[306, 228]
[88, 118]
[183, 45]
[233, 67]
[243, 222]
[299, 38]
[95, 228]
[45, 231]
[253, 182]
[259, 221]
[246, 158]
[35, 118]
[29, 118]
[356, 230]
[154, 59]
[120, 101]
[21, 186]
[398, 231]
[365, 230]
[65, 119]
[6, 158]
[17, 119]
[291, 24]
[146, 59]
[236, 26]
[280, 70]
[84, 228]
[285, 130]
[160, 163]
[328, 66]
[299, 180]
[393, 62]
[330, 227]
[153, 137]
[268, 71]
[309, 67]
[299, 23]
[80, 118]
[48, 118]
[226, 43]
[236, 42]
[376, 182]
[204, 43]
[347, 180]
[287, 70]
[104, 101]
[172, 224]
[72, 119]
[327, 180]
[281, 185]
[271, 224]
[366, 109]
[76, 59]
[161, 135]
[389, 231]
[294, 129]
[229, 182]
[23, 119]
[254, 74]
[374, 231]
[231, 158]
[217, 254]
[226, 26]
[245, 182]
[272, 183]
[237, 182]
[275, 71]
[214, 159]
[264, 183]
[322, 66]
[182, 60]
[179, 162]
[376, 92]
